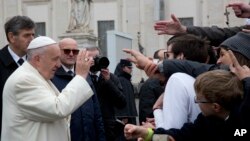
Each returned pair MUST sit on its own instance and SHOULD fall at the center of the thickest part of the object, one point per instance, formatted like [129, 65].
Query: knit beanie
[239, 43]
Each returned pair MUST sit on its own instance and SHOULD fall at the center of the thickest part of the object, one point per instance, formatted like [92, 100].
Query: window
[40, 29]
[187, 21]
[103, 27]
[159, 10]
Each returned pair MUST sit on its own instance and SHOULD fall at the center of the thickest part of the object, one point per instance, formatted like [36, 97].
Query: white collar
[97, 73]
[15, 56]
[67, 69]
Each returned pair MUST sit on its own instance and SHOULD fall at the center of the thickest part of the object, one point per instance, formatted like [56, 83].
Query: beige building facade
[127, 16]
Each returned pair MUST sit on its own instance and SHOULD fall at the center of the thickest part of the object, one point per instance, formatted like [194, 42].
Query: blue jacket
[86, 122]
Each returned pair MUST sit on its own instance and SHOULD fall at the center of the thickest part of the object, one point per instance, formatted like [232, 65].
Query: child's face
[205, 105]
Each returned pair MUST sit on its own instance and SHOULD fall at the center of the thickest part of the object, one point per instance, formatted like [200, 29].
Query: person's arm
[158, 112]
[216, 35]
[170, 27]
[39, 101]
[241, 9]
[189, 131]
[133, 131]
[168, 67]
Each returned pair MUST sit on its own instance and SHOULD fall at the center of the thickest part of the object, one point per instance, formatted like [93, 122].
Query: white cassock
[34, 110]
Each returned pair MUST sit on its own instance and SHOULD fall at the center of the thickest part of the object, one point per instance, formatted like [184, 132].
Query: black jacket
[7, 67]
[215, 34]
[128, 91]
[86, 122]
[189, 67]
[149, 93]
[110, 96]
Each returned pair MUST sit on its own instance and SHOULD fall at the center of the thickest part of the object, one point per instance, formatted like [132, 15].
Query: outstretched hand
[241, 9]
[240, 71]
[133, 131]
[138, 59]
[170, 27]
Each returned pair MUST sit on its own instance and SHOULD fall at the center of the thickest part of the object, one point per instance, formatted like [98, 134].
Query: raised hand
[170, 27]
[246, 30]
[133, 131]
[138, 59]
[240, 71]
[241, 9]
[83, 64]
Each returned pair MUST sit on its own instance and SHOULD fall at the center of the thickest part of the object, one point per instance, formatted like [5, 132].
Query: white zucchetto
[41, 41]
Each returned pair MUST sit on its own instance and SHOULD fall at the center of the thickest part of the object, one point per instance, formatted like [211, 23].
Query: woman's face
[224, 57]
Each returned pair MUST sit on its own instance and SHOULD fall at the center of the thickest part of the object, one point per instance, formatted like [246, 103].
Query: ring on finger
[86, 59]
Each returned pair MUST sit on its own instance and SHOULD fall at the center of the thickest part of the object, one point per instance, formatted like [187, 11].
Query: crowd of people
[197, 86]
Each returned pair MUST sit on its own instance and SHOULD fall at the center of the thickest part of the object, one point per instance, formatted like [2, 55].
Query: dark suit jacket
[7, 67]
[86, 122]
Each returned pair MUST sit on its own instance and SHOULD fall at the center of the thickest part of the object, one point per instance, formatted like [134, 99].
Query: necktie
[20, 61]
[70, 73]
[94, 78]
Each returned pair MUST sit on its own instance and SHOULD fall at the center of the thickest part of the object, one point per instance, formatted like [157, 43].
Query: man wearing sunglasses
[86, 122]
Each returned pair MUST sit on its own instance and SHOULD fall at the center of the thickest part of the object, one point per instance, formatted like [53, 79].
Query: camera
[100, 63]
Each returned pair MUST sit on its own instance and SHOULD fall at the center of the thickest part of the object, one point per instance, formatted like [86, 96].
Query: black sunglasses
[68, 51]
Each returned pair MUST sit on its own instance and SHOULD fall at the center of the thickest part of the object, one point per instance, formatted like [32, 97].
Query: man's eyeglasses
[166, 55]
[201, 101]
[68, 51]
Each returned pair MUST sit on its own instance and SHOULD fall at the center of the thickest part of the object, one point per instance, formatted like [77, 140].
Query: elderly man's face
[49, 61]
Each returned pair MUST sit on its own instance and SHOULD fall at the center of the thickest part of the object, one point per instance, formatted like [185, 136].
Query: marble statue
[79, 16]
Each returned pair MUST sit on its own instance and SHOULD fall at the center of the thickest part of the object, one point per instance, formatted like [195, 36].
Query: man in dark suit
[86, 122]
[19, 30]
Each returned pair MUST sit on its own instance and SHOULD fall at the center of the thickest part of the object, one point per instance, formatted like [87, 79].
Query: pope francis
[33, 109]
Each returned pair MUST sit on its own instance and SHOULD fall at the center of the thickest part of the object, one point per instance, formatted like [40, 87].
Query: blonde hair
[219, 86]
